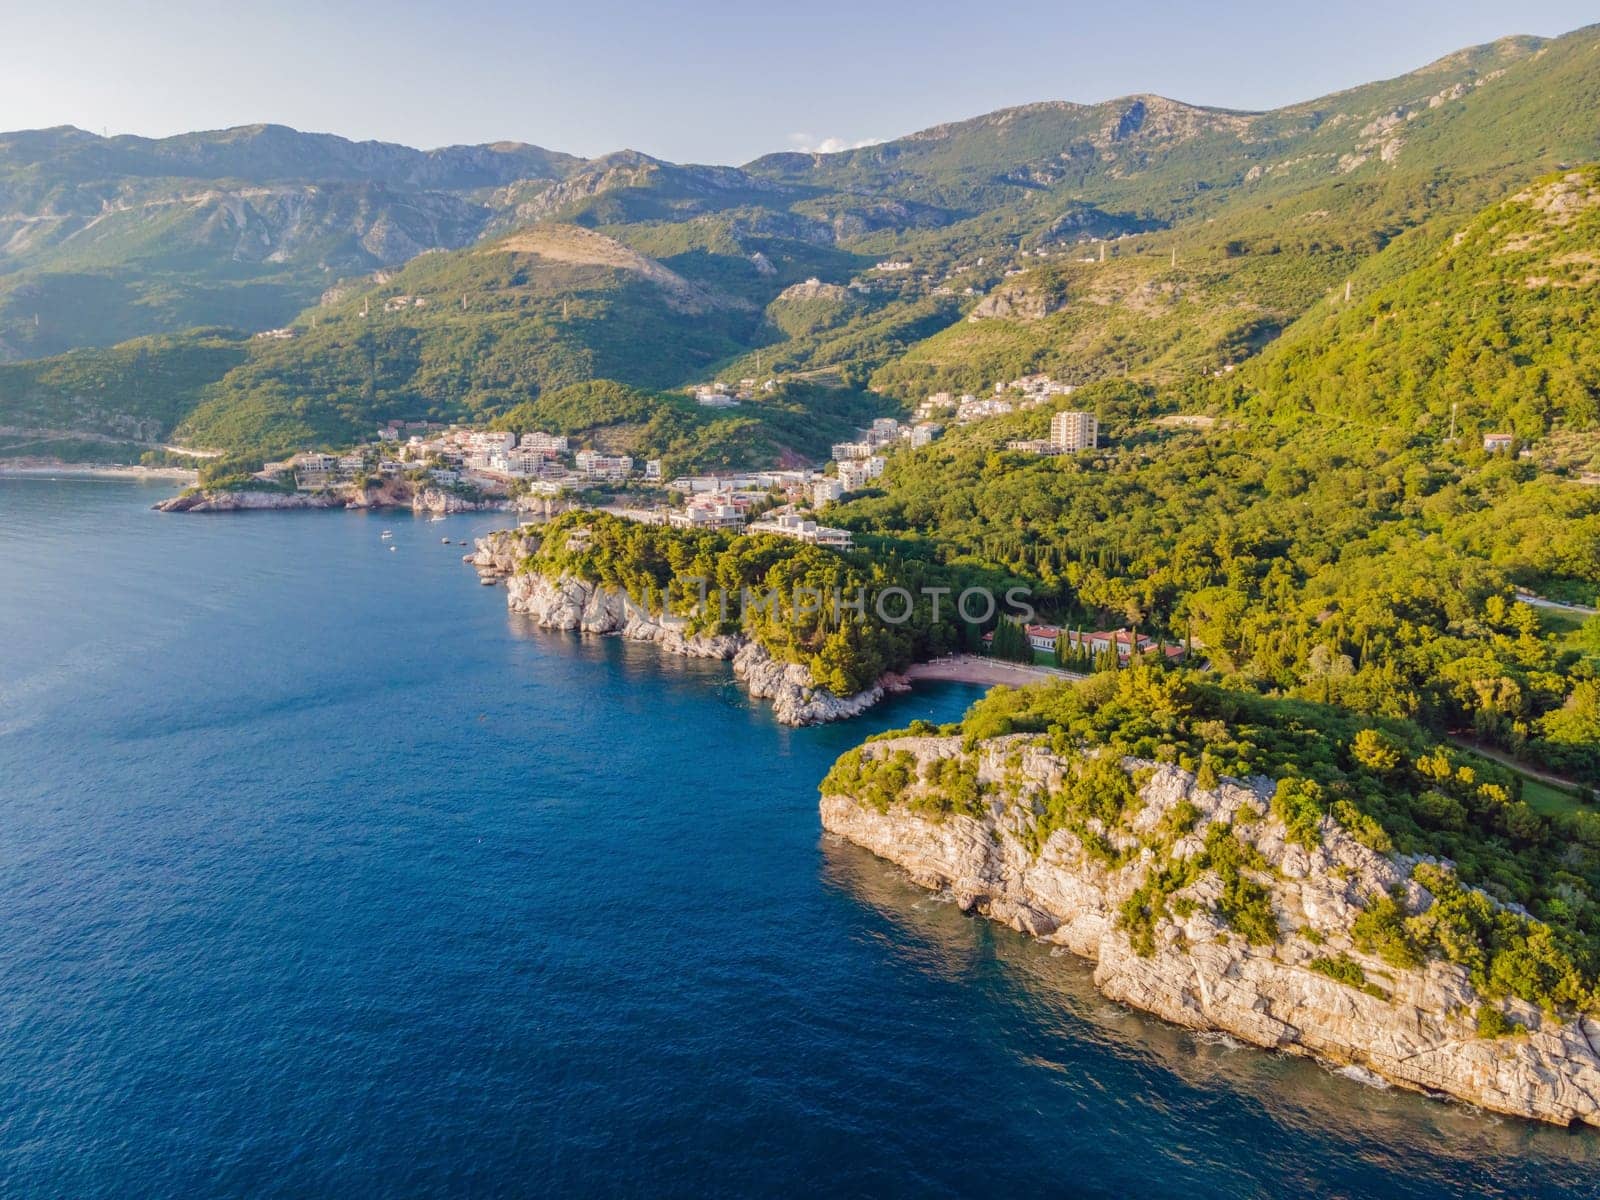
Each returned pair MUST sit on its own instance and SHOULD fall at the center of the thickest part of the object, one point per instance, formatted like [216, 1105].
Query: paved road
[1541, 602]
[1571, 785]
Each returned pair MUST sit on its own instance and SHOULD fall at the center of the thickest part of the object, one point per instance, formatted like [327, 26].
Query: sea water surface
[321, 874]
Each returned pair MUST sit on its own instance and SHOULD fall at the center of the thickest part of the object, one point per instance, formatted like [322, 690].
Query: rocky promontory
[1199, 905]
[580, 605]
[389, 494]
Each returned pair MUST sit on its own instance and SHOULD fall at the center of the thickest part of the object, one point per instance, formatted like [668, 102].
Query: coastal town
[544, 472]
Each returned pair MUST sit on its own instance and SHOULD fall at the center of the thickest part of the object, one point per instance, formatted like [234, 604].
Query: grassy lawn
[1549, 799]
[1562, 624]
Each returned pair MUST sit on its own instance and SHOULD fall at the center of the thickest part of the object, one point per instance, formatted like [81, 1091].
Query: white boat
[393, 548]
[446, 541]
[386, 535]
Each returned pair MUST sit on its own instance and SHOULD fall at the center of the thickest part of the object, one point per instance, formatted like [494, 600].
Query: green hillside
[470, 333]
[794, 423]
[1493, 320]
[106, 239]
[1207, 234]
[1265, 213]
[140, 390]
[1317, 534]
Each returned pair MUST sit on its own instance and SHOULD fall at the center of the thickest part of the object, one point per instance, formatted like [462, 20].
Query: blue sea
[321, 874]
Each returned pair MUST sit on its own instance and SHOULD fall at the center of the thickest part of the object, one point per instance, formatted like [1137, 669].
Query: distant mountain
[276, 154]
[1140, 237]
[1161, 155]
[472, 333]
[103, 239]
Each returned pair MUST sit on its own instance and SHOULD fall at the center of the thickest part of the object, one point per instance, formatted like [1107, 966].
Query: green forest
[1386, 782]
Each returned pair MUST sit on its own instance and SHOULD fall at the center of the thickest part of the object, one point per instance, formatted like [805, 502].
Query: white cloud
[808, 143]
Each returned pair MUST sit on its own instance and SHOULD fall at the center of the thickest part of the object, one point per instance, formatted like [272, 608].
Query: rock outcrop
[576, 604]
[389, 494]
[499, 554]
[437, 500]
[207, 500]
[1017, 302]
[1413, 1027]
[796, 700]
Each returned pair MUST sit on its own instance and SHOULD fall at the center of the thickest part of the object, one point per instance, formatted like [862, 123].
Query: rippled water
[320, 874]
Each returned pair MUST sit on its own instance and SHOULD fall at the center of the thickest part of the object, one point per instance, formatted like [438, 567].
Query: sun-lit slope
[106, 238]
[1495, 318]
[472, 331]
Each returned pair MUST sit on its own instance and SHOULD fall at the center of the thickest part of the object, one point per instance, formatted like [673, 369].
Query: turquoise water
[321, 874]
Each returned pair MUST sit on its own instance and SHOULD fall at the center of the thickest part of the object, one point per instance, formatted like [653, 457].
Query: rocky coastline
[579, 605]
[390, 495]
[1414, 1027]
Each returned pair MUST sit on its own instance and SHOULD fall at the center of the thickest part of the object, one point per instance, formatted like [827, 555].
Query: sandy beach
[43, 469]
[973, 668]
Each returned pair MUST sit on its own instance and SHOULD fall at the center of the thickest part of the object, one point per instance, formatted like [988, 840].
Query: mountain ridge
[957, 254]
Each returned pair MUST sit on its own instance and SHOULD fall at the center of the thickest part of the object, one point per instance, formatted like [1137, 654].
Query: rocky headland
[388, 495]
[1308, 990]
[585, 607]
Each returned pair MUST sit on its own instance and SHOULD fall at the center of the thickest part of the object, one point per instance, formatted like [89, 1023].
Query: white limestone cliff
[1418, 1030]
[576, 604]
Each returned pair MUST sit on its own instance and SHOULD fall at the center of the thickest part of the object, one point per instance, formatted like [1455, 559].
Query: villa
[803, 530]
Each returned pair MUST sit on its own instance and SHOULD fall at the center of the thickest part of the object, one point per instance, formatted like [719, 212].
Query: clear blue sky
[713, 81]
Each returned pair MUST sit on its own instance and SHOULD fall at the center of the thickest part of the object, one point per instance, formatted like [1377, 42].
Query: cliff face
[500, 553]
[1414, 1027]
[248, 501]
[437, 500]
[389, 494]
[577, 604]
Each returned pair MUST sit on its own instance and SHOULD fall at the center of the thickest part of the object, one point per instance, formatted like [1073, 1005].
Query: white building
[594, 465]
[544, 443]
[714, 395]
[1035, 386]
[923, 433]
[487, 442]
[521, 462]
[825, 491]
[848, 450]
[885, 429]
[1074, 431]
[707, 512]
[856, 473]
[652, 469]
[803, 530]
[973, 409]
